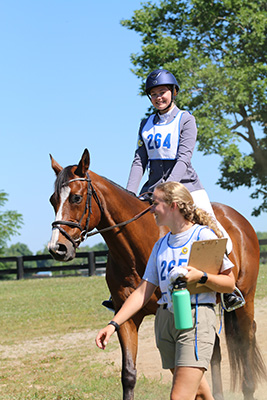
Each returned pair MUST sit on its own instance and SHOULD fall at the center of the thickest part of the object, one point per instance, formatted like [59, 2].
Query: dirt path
[148, 362]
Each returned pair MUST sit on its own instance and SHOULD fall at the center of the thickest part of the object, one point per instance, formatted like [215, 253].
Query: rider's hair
[176, 192]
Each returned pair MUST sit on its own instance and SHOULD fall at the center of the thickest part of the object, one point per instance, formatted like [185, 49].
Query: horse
[84, 201]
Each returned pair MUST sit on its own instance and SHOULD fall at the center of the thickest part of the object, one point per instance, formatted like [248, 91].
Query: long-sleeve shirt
[179, 168]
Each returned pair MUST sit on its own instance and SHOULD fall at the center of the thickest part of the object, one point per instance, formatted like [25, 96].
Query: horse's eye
[75, 198]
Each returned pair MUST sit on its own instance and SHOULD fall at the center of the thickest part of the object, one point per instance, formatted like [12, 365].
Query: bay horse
[83, 200]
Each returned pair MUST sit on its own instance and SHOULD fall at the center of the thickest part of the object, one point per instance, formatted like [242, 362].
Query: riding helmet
[160, 77]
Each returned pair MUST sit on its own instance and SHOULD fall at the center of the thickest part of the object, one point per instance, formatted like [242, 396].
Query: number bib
[162, 140]
[169, 257]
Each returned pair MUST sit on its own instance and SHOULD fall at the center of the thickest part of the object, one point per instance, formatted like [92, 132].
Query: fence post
[20, 268]
[91, 263]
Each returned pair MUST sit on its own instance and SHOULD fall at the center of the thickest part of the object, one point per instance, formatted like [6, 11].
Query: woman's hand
[103, 336]
[193, 275]
[138, 298]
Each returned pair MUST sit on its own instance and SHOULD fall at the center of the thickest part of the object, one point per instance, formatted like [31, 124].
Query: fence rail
[263, 254]
[91, 267]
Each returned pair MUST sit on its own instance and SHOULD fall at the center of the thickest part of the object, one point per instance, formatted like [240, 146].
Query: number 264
[156, 142]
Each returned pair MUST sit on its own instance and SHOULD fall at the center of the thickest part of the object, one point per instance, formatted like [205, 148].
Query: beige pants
[178, 347]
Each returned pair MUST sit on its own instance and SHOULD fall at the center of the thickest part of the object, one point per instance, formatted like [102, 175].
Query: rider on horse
[166, 142]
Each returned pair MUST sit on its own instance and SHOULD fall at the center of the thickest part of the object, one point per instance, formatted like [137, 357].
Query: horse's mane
[118, 186]
[66, 174]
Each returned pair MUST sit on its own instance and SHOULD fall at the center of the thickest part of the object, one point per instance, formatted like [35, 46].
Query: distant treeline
[21, 249]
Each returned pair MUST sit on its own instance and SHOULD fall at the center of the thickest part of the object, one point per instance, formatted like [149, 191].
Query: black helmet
[160, 77]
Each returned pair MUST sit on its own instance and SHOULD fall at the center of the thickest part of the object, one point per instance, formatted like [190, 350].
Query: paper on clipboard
[206, 255]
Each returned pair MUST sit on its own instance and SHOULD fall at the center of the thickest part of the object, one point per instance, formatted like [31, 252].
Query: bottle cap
[179, 284]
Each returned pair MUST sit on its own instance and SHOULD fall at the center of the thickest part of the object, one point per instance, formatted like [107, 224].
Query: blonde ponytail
[176, 192]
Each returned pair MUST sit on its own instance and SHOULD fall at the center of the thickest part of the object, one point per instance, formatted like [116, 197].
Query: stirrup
[108, 304]
[233, 307]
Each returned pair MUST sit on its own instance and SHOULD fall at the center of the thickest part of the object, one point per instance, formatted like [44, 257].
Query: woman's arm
[136, 173]
[221, 283]
[132, 305]
[186, 147]
[139, 163]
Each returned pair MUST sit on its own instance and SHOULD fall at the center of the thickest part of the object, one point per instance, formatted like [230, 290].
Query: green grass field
[47, 345]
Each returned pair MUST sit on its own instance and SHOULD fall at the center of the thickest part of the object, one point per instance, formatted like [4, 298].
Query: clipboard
[206, 255]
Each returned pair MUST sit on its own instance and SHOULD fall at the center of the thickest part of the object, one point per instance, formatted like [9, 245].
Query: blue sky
[66, 84]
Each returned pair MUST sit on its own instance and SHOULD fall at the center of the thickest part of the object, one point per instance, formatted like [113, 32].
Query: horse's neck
[134, 240]
[136, 237]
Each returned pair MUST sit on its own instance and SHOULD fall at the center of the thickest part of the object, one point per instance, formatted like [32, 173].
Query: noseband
[88, 207]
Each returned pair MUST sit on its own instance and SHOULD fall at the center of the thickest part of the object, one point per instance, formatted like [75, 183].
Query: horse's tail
[243, 351]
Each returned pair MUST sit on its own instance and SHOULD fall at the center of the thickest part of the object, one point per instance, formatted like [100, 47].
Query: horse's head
[76, 214]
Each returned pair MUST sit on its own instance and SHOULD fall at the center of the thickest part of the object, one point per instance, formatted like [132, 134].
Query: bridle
[88, 208]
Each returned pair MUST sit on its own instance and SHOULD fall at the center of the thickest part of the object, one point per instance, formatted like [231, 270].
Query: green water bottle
[181, 305]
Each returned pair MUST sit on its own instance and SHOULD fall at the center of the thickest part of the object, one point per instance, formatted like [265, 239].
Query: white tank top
[162, 140]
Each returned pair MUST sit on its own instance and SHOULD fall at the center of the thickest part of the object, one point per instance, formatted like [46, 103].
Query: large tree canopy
[217, 51]
[10, 223]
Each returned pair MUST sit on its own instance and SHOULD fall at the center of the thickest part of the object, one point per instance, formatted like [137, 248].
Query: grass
[31, 308]
[35, 363]
[47, 345]
[261, 291]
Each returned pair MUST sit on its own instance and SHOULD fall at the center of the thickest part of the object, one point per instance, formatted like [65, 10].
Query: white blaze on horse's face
[64, 195]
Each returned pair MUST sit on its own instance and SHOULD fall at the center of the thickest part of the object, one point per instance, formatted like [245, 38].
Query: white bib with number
[169, 257]
[162, 140]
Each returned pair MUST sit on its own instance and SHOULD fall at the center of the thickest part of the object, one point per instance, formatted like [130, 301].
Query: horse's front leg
[128, 337]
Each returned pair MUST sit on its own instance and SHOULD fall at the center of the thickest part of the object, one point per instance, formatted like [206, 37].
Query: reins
[120, 224]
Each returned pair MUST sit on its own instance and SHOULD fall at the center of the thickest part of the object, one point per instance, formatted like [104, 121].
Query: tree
[16, 250]
[10, 222]
[262, 235]
[97, 247]
[217, 50]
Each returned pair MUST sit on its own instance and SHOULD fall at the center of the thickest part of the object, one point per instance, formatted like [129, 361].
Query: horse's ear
[56, 167]
[83, 165]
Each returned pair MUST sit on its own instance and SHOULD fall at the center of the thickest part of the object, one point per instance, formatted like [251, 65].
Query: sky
[66, 85]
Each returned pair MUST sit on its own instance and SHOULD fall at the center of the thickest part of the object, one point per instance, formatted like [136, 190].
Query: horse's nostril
[61, 249]
[57, 249]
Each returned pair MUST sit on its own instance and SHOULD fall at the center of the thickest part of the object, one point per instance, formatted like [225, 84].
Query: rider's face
[161, 97]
